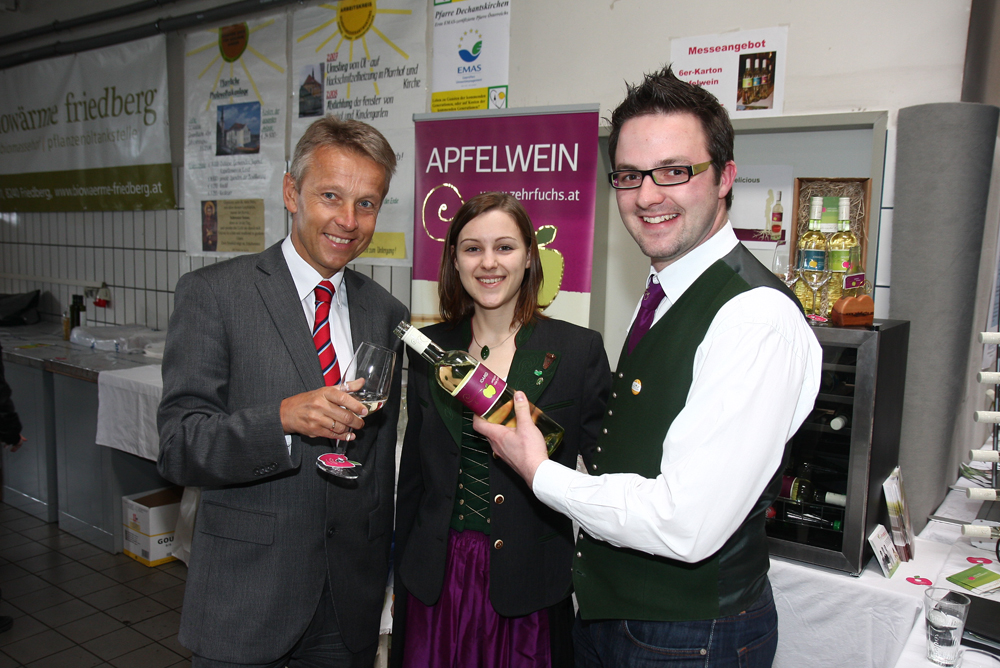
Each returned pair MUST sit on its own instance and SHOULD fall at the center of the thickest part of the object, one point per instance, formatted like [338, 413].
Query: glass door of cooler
[810, 508]
[830, 497]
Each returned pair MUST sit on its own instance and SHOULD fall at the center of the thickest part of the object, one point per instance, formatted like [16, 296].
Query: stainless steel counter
[62, 474]
[41, 346]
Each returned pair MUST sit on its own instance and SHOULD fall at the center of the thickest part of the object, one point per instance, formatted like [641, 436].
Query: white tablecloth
[126, 410]
[836, 620]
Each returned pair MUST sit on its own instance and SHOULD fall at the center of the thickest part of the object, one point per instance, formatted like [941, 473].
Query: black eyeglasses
[674, 175]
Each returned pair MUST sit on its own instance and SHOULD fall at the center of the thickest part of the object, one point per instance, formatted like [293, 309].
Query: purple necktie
[647, 309]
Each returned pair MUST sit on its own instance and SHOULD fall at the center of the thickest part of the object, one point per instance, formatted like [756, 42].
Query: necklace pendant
[484, 352]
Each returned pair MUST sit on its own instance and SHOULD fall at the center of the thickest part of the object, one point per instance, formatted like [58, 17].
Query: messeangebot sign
[87, 131]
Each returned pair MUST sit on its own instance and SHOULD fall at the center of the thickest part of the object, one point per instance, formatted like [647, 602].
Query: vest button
[593, 467]
[599, 449]
[605, 430]
[498, 544]
[461, 486]
[461, 502]
[611, 413]
[621, 375]
[461, 517]
[579, 554]
[614, 395]
[488, 520]
[498, 498]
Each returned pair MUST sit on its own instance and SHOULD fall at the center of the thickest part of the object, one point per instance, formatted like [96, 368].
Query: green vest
[650, 388]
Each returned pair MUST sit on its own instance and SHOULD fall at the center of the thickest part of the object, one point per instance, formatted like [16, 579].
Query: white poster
[358, 60]
[745, 70]
[234, 157]
[471, 54]
[87, 131]
[762, 209]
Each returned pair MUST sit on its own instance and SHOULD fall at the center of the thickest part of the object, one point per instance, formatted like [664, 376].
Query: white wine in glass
[368, 378]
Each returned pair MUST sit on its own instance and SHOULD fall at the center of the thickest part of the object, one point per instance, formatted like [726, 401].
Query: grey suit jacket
[271, 527]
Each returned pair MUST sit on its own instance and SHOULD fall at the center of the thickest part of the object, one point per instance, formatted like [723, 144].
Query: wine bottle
[756, 79]
[802, 490]
[813, 248]
[747, 83]
[777, 215]
[841, 244]
[471, 382]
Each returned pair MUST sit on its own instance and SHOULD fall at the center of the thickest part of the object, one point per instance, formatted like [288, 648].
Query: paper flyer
[745, 70]
[367, 62]
[234, 157]
[885, 551]
[471, 54]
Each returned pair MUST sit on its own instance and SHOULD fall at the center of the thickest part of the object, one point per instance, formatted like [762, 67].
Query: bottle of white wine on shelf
[813, 248]
[471, 382]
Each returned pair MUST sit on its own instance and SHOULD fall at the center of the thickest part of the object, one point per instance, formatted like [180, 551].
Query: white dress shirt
[306, 279]
[754, 381]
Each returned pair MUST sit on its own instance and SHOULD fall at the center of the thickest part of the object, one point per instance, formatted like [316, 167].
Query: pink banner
[547, 161]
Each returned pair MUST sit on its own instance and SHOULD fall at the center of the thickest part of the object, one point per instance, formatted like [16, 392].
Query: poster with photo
[745, 70]
[367, 62]
[471, 54]
[762, 209]
[234, 154]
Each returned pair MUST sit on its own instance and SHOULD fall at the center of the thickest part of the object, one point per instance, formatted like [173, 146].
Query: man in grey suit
[288, 565]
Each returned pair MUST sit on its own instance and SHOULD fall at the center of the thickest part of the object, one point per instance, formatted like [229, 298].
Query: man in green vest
[718, 372]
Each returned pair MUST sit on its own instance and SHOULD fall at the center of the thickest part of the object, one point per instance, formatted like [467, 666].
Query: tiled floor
[76, 606]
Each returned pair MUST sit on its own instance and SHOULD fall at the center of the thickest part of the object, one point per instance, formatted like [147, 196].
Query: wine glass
[815, 280]
[368, 378]
[781, 266]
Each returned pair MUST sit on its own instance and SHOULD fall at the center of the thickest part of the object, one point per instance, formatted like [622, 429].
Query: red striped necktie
[321, 334]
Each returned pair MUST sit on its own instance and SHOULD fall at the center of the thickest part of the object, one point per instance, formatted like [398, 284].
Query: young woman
[483, 569]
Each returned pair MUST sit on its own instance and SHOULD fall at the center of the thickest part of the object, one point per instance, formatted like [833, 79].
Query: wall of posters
[471, 54]
[745, 70]
[545, 157]
[358, 60]
[234, 157]
[87, 131]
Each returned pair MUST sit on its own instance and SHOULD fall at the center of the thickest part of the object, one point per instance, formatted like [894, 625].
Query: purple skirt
[463, 630]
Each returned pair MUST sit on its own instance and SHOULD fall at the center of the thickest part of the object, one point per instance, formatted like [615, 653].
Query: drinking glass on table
[944, 613]
[368, 378]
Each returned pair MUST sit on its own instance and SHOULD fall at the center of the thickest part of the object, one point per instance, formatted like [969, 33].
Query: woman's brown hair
[456, 304]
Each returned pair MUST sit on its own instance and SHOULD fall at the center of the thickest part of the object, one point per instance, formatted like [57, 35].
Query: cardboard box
[149, 519]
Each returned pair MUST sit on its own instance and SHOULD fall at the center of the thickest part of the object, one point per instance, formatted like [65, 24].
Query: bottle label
[813, 260]
[747, 82]
[840, 260]
[788, 487]
[854, 281]
[776, 216]
[480, 390]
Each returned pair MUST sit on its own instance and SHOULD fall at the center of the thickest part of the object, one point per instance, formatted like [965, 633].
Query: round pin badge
[636, 386]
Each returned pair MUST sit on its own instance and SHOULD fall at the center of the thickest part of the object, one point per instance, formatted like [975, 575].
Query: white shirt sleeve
[755, 379]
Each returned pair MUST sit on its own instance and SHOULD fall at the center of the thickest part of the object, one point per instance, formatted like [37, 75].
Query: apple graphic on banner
[979, 560]
[553, 264]
[917, 580]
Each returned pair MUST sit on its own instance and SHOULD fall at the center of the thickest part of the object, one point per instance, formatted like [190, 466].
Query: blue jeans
[746, 640]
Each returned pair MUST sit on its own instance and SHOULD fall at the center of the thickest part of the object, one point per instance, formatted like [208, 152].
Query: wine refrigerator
[836, 462]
